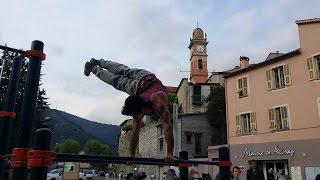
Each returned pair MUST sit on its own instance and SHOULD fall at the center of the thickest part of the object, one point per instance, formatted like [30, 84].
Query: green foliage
[69, 146]
[142, 124]
[95, 147]
[217, 114]
[172, 98]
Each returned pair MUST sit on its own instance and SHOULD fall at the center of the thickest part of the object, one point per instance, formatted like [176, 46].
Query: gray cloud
[147, 34]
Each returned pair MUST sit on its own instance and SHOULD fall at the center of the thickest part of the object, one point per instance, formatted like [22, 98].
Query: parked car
[55, 174]
[86, 174]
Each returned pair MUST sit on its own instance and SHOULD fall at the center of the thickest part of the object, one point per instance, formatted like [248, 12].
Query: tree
[69, 146]
[217, 114]
[95, 147]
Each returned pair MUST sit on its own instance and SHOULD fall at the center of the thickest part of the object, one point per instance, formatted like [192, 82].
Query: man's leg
[119, 82]
[121, 69]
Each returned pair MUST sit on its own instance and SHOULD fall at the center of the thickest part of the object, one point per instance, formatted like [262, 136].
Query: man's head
[236, 172]
[253, 164]
[133, 105]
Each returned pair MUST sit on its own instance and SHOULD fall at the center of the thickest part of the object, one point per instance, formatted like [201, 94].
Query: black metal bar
[102, 161]
[12, 49]
[6, 122]
[28, 107]
[115, 159]
[42, 141]
[183, 170]
[224, 155]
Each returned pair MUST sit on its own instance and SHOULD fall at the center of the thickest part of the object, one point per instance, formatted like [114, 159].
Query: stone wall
[147, 148]
[195, 124]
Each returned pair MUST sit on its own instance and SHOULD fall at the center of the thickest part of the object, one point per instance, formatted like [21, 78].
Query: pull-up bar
[133, 160]
[6, 48]
[27, 53]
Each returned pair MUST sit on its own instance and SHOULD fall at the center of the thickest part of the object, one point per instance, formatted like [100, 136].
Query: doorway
[272, 168]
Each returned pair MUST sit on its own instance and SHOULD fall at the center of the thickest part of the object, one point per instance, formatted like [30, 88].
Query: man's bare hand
[169, 159]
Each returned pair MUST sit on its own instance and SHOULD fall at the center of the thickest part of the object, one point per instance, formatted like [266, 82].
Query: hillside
[66, 126]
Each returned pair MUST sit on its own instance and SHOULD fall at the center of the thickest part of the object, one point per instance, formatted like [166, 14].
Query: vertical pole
[183, 170]
[224, 155]
[28, 107]
[41, 141]
[5, 122]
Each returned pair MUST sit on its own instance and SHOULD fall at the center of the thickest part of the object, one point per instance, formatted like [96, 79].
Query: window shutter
[311, 68]
[269, 80]
[253, 122]
[284, 117]
[240, 84]
[245, 87]
[318, 105]
[238, 129]
[272, 120]
[287, 76]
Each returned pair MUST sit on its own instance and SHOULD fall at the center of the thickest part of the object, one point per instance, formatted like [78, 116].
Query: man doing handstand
[147, 95]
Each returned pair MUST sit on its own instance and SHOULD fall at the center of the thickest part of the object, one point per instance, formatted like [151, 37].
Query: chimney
[244, 62]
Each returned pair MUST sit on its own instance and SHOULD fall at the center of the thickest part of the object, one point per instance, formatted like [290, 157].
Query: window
[313, 66]
[188, 137]
[161, 130]
[197, 143]
[161, 144]
[246, 124]
[243, 87]
[198, 99]
[278, 77]
[278, 119]
[200, 64]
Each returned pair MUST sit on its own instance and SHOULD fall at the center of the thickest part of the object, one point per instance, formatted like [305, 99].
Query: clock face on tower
[200, 48]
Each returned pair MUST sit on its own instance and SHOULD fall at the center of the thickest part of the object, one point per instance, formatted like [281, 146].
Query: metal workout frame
[39, 157]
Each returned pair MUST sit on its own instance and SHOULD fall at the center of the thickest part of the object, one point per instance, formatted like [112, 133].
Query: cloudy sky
[153, 35]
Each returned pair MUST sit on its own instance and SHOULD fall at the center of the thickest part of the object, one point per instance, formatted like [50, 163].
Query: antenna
[184, 71]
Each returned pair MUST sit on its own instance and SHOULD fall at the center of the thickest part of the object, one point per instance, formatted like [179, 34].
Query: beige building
[273, 109]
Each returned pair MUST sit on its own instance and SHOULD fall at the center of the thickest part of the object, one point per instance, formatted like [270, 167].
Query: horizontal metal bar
[134, 160]
[12, 49]
[112, 161]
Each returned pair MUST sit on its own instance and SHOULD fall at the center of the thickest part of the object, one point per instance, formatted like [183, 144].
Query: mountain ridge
[68, 126]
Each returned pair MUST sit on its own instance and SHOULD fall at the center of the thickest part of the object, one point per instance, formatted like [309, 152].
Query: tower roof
[197, 33]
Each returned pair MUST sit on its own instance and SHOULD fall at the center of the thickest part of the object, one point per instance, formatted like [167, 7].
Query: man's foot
[88, 68]
[94, 62]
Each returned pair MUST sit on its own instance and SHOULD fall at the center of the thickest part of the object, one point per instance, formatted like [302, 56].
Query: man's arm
[135, 135]
[160, 106]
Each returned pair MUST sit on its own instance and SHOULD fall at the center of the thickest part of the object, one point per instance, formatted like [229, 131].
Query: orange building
[273, 109]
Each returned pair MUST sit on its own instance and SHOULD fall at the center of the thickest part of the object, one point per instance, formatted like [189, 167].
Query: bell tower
[198, 56]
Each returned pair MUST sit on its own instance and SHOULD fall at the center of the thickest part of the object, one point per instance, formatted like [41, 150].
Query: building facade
[273, 109]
